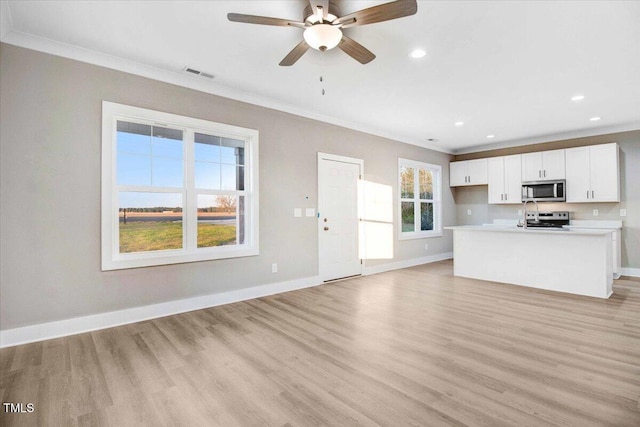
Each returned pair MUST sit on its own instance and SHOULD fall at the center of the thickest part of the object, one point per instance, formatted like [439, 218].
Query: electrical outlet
[595, 212]
[274, 268]
[623, 212]
[297, 212]
[426, 246]
[519, 212]
[468, 211]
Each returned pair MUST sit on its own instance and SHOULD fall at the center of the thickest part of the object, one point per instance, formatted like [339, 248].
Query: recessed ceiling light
[417, 53]
[458, 123]
[577, 98]
[594, 119]
[432, 140]
[491, 136]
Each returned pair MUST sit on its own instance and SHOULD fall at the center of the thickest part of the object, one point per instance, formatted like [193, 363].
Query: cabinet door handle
[539, 174]
[469, 178]
[544, 173]
[587, 194]
[501, 196]
[592, 195]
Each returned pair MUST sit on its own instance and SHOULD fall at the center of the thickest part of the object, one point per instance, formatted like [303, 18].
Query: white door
[338, 216]
[513, 179]
[578, 175]
[457, 174]
[604, 173]
[477, 172]
[496, 180]
[532, 167]
[553, 162]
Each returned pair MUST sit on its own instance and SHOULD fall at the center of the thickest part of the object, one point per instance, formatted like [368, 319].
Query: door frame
[359, 202]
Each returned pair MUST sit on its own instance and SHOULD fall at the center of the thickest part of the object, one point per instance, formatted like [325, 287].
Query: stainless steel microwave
[545, 191]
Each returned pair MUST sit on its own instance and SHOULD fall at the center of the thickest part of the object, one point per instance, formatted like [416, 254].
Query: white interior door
[338, 216]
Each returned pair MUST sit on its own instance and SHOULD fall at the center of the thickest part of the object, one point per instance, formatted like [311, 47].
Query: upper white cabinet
[468, 172]
[505, 179]
[593, 174]
[543, 165]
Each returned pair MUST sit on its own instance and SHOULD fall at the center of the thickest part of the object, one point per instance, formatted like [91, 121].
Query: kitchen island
[565, 260]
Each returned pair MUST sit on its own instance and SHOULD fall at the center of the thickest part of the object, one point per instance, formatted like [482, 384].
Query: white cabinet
[543, 165]
[593, 174]
[616, 228]
[468, 172]
[505, 179]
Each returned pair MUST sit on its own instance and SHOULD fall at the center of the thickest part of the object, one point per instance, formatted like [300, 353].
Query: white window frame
[112, 259]
[437, 200]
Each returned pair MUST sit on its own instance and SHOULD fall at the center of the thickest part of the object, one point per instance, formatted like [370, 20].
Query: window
[175, 189]
[420, 204]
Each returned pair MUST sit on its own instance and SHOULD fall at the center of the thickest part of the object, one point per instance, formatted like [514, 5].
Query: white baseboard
[633, 272]
[78, 325]
[406, 263]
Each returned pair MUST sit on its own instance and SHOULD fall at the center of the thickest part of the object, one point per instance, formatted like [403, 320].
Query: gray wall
[475, 198]
[50, 191]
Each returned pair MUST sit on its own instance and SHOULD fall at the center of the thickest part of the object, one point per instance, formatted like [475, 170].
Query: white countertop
[601, 224]
[514, 229]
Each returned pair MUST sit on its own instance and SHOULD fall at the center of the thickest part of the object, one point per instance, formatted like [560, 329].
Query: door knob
[326, 229]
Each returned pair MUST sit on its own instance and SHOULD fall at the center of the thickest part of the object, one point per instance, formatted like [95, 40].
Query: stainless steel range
[547, 219]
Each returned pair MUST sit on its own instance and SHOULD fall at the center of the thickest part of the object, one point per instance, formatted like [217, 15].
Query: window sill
[424, 235]
[172, 257]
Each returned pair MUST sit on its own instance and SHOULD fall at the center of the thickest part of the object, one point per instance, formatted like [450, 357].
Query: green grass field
[162, 235]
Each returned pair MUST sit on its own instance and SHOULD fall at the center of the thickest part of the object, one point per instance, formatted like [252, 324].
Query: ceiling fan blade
[323, 4]
[295, 54]
[380, 13]
[263, 20]
[356, 50]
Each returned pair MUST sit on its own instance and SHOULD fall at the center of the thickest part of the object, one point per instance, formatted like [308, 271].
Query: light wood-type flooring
[410, 347]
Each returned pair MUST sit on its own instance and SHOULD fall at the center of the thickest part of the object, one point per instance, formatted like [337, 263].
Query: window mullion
[416, 199]
[190, 196]
[132, 124]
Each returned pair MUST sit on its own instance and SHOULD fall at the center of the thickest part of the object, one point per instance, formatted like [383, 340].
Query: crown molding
[177, 77]
[583, 133]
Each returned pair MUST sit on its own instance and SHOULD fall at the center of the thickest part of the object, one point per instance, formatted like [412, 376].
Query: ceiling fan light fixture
[322, 36]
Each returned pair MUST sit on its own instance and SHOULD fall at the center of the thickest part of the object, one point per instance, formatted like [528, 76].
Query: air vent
[198, 72]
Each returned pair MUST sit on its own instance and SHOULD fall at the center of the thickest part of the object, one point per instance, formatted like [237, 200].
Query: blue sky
[146, 160]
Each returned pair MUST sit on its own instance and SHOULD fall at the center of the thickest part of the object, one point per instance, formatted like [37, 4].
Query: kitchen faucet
[524, 212]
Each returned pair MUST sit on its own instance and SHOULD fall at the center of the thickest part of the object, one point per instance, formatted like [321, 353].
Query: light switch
[297, 212]
[595, 212]
[310, 212]
[623, 212]
[468, 211]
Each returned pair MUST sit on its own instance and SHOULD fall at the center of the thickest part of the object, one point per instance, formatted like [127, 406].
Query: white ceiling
[503, 68]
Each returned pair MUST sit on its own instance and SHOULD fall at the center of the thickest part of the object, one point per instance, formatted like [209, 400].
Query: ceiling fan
[323, 26]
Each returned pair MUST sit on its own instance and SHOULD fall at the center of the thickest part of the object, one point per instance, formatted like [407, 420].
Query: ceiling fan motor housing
[308, 13]
[323, 25]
